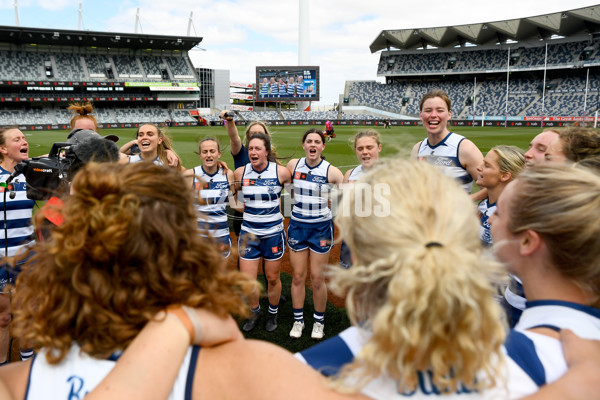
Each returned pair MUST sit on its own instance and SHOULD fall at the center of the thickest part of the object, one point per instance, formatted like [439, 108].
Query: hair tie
[433, 244]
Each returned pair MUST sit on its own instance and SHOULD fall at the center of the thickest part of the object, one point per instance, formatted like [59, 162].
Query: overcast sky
[241, 34]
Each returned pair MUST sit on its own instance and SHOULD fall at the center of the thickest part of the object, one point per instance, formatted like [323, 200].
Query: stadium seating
[179, 67]
[476, 60]
[182, 116]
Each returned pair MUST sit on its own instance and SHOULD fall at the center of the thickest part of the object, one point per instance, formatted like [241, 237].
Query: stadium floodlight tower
[17, 13]
[303, 43]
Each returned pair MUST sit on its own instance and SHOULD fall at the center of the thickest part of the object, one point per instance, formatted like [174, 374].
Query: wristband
[190, 321]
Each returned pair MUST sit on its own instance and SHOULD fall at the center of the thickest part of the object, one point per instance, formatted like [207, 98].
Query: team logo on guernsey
[248, 182]
[221, 185]
[300, 175]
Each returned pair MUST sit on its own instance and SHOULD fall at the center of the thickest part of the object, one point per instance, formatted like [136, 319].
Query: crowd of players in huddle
[417, 279]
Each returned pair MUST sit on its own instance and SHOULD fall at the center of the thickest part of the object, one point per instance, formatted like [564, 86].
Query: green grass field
[396, 141]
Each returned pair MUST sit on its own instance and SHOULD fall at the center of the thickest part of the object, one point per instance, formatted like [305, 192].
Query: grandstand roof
[59, 37]
[566, 23]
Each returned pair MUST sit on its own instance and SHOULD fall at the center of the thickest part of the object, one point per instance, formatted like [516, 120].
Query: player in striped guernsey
[260, 183]
[457, 156]
[274, 87]
[212, 185]
[546, 229]
[425, 322]
[310, 232]
[153, 143]
[500, 166]
[367, 146]
[300, 85]
[291, 87]
[282, 88]
[264, 87]
[17, 230]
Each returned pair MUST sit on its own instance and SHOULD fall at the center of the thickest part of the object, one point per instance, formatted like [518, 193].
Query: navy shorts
[270, 248]
[317, 237]
[224, 244]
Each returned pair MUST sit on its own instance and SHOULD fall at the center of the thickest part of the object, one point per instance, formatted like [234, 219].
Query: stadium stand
[529, 75]
[42, 71]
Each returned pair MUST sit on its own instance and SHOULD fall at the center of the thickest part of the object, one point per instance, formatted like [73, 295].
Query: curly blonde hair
[129, 247]
[420, 281]
[82, 111]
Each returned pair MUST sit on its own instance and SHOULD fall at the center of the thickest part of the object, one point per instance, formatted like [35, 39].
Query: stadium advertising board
[295, 83]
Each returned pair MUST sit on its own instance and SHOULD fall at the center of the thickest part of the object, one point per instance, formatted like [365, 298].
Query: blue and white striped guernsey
[20, 233]
[282, 89]
[311, 189]
[329, 356]
[445, 155]
[214, 191]
[78, 374]
[535, 359]
[261, 191]
[291, 89]
[486, 210]
[264, 89]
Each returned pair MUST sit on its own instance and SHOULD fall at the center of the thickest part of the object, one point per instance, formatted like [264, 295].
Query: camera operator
[16, 223]
[85, 146]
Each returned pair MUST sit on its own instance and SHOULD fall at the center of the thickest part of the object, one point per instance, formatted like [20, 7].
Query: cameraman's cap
[79, 135]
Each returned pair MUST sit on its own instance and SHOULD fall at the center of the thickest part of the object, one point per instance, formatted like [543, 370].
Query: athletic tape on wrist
[196, 323]
[189, 320]
[183, 318]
